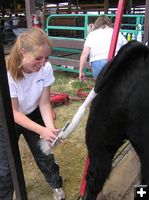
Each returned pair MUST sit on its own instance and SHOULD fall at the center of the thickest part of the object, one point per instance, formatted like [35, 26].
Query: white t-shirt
[99, 43]
[29, 89]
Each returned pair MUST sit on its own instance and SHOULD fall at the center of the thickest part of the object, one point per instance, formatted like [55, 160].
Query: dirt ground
[71, 156]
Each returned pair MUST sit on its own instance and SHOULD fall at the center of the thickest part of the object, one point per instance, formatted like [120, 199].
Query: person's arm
[83, 60]
[27, 123]
[122, 39]
[46, 109]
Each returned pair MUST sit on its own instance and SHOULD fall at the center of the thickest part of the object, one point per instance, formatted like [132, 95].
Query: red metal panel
[117, 23]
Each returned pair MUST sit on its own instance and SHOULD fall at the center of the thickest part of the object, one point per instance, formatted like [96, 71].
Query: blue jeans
[97, 66]
[46, 164]
[6, 184]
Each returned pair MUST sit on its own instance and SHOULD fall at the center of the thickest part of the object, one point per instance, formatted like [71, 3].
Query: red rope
[83, 94]
[63, 97]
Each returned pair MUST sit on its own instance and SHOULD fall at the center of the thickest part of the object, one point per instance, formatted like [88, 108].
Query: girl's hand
[49, 134]
[82, 76]
[55, 131]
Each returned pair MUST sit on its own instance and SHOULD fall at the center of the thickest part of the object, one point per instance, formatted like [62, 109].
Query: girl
[97, 46]
[29, 75]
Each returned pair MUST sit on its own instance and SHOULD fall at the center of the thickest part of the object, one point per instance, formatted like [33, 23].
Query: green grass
[69, 82]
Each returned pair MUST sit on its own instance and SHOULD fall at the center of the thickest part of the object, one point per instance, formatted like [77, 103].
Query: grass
[71, 155]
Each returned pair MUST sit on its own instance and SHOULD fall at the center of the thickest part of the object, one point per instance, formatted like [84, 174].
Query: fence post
[146, 23]
[6, 116]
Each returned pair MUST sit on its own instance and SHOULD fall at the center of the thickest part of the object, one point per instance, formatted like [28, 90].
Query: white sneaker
[58, 194]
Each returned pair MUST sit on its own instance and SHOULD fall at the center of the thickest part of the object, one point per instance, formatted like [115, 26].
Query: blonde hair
[102, 22]
[29, 40]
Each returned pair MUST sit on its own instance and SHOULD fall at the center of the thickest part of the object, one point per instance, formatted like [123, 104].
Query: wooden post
[106, 6]
[129, 6]
[146, 23]
[30, 11]
[7, 120]
[69, 7]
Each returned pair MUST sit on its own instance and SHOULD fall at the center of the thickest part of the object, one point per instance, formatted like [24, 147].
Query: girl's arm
[46, 109]
[27, 123]
[83, 60]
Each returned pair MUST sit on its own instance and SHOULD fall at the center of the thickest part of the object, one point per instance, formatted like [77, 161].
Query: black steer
[120, 111]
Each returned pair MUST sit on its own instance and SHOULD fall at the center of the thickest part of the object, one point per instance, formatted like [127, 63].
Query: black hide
[120, 111]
